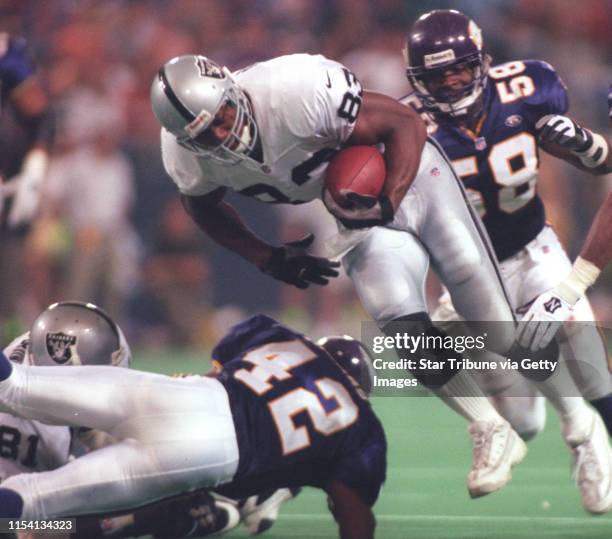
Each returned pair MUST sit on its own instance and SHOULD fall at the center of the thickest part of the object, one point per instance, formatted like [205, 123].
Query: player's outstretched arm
[562, 137]
[224, 225]
[290, 263]
[355, 518]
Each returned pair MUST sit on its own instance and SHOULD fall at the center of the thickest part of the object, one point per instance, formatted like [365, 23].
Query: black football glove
[293, 265]
[362, 211]
[564, 132]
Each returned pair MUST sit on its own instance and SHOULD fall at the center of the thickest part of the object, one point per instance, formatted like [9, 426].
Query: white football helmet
[189, 93]
[74, 333]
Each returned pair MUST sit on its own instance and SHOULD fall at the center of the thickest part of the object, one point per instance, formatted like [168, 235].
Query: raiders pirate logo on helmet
[209, 69]
[59, 346]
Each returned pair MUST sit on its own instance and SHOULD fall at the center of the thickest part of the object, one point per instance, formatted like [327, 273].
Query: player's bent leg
[124, 403]
[175, 452]
[497, 447]
[516, 400]
[117, 477]
[388, 268]
[460, 251]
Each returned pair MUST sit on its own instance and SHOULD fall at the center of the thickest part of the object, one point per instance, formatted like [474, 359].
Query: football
[360, 169]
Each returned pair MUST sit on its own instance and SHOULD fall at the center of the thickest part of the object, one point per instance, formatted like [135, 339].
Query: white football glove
[542, 321]
[591, 148]
[562, 131]
[27, 189]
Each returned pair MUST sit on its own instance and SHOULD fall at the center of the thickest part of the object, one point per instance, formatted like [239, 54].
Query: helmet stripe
[173, 98]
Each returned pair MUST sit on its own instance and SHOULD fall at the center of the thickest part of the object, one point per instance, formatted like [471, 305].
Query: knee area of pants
[462, 260]
[392, 305]
[463, 268]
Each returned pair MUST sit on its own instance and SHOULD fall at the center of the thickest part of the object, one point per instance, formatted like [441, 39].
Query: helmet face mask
[191, 96]
[446, 43]
[74, 333]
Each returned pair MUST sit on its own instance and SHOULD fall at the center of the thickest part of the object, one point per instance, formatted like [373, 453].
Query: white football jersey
[305, 107]
[27, 446]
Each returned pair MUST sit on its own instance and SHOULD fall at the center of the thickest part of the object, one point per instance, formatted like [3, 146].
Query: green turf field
[425, 494]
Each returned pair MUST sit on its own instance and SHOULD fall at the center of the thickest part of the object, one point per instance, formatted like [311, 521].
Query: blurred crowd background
[112, 230]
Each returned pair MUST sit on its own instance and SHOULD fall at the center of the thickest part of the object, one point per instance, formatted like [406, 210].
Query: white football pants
[434, 221]
[175, 434]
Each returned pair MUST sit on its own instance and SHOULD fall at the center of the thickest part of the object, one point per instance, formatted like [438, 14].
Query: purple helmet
[353, 357]
[439, 40]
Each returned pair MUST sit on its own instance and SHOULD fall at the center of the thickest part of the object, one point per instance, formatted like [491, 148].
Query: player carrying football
[267, 131]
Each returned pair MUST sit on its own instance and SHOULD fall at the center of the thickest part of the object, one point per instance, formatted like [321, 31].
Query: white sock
[464, 396]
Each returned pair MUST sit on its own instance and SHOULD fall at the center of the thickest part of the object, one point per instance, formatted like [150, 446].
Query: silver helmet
[74, 333]
[189, 94]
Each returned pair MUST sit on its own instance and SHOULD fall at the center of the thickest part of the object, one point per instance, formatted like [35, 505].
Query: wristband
[596, 153]
[583, 275]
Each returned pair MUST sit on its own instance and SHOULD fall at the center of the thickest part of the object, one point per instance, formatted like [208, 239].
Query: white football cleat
[497, 447]
[592, 468]
[258, 513]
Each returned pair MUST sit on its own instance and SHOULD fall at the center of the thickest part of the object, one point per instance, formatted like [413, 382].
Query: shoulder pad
[548, 91]
[255, 331]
